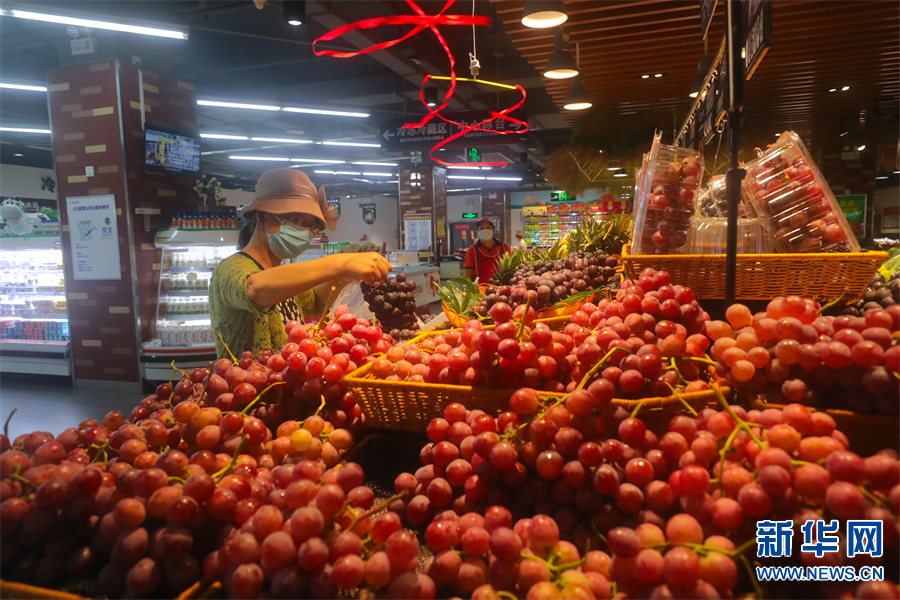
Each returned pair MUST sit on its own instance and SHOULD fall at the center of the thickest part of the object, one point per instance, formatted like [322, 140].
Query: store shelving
[547, 224]
[34, 324]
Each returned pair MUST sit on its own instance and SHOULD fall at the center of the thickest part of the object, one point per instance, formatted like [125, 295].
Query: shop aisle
[51, 404]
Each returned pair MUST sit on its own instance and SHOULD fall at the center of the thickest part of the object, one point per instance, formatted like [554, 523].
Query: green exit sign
[560, 197]
[470, 215]
[473, 155]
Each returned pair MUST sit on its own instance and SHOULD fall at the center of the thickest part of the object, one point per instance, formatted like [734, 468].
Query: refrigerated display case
[183, 329]
[547, 224]
[34, 324]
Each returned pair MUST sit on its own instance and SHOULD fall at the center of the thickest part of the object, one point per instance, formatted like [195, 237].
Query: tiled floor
[52, 404]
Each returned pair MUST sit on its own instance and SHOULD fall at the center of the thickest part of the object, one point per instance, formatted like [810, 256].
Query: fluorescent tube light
[25, 130]
[222, 136]
[29, 88]
[319, 160]
[280, 140]
[374, 164]
[317, 111]
[268, 158]
[465, 177]
[504, 179]
[355, 144]
[218, 104]
[378, 174]
[322, 172]
[109, 25]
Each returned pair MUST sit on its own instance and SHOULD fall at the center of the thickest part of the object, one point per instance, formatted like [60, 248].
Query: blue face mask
[289, 241]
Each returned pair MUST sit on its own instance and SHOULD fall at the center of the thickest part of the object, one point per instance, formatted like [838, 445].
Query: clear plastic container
[665, 204]
[785, 186]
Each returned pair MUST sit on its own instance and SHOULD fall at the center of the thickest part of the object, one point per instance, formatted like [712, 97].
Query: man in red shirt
[482, 256]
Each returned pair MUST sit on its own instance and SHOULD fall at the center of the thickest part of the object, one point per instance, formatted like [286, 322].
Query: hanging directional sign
[758, 33]
[394, 137]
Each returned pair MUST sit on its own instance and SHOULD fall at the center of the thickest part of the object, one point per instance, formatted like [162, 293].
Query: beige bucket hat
[284, 191]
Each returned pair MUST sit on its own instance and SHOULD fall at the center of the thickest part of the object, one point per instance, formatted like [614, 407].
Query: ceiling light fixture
[620, 173]
[355, 144]
[321, 172]
[861, 147]
[265, 158]
[218, 104]
[374, 164]
[28, 88]
[703, 66]
[578, 98]
[317, 111]
[541, 14]
[645, 77]
[378, 174]
[465, 177]
[24, 130]
[561, 64]
[504, 179]
[431, 96]
[879, 177]
[832, 90]
[108, 25]
[468, 167]
[280, 140]
[294, 12]
[20, 154]
[222, 136]
[319, 160]
[845, 88]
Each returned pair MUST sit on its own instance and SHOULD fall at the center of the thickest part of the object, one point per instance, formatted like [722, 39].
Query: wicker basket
[763, 276]
[868, 434]
[11, 589]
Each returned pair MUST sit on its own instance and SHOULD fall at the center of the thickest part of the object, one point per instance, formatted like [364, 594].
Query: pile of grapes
[524, 495]
[640, 343]
[394, 303]
[229, 474]
[551, 281]
[881, 293]
[791, 354]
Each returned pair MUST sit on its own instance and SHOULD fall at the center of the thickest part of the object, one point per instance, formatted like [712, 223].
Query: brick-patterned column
[495, 206]
[109, 319]
[429, 196]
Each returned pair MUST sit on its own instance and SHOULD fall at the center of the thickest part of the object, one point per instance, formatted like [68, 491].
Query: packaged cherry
[786, 187]
[665, 204]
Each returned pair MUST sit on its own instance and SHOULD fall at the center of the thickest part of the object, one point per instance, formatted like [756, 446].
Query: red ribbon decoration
[422, 22]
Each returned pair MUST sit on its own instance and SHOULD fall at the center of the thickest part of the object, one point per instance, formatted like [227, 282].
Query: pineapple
[617, 235]
[608, 235]
[507, 265]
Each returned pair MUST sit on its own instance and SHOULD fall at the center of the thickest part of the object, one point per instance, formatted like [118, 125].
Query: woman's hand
[368, 267]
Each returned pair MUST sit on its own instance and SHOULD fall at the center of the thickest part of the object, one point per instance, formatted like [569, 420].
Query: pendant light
[294, 12]
[578, 98]
[703, 66]
[541, 14]
[561, 64]
[431, 96]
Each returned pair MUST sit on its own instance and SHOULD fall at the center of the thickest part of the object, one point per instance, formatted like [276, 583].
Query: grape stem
[260, 395]
[725, 450]
[682, 400]
[218, 475]
[700, 359]
[740, 422]
[637, 409]
[20, 479]
[176, 370]
[524, 318]
[228, 350]
[6, 424]
[505, 594]
[206, 384]
[872, 497]
[752, 576]
[834, 302]
[593, 370]
[375, 509]
[101, 449]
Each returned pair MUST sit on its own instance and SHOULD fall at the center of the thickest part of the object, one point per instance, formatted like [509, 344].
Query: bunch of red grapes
[670, 205]
[549, 282]
[644, 342]
[393, 301]
[677, 512]
[790, 353]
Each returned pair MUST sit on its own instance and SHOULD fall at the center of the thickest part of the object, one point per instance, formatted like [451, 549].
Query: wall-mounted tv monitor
[168, 151]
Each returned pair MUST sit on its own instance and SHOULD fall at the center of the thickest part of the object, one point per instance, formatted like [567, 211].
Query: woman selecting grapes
[482, 256]
[252, 294]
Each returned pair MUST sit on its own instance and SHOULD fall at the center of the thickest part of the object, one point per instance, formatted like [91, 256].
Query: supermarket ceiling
[236, 52]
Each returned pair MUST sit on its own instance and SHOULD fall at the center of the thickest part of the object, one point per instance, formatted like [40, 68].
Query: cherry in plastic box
[786, 187]
[665, 203]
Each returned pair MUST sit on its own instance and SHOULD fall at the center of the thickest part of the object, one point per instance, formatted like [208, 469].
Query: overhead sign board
[757, 32]
[394, 137]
